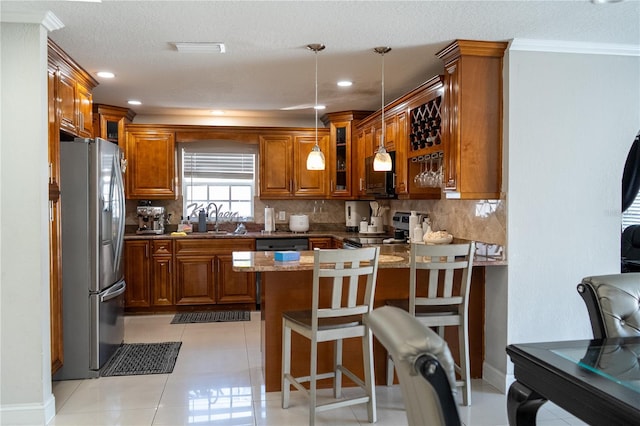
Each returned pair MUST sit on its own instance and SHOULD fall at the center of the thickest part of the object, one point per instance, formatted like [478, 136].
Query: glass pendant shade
[382, 161]
[315, 159]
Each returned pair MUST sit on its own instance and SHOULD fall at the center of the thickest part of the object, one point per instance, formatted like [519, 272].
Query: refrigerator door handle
[113, 292]
[120, 188]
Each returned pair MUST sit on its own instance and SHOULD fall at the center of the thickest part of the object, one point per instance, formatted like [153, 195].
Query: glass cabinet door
[340, 163]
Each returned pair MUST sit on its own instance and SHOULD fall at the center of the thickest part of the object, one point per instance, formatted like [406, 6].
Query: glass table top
[619, 363]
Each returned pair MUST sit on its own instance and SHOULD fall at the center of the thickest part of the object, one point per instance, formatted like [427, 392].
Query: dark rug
[132, 359]
[211, 316]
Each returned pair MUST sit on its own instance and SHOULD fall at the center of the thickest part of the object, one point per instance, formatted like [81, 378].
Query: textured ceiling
[266, 66]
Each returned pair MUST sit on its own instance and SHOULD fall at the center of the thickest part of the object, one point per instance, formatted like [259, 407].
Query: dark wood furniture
[595, 380]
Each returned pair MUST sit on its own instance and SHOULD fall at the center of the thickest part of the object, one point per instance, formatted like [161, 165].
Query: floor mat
[211, 316]
[132, 359]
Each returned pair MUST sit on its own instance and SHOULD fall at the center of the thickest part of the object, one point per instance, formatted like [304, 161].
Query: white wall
[25, 370]
[571, 118]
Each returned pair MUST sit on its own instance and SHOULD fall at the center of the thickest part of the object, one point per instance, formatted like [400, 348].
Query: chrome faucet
[217, 209]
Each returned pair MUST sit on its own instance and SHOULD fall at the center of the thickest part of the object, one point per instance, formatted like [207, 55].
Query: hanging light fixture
[315, 159]
[382, 160]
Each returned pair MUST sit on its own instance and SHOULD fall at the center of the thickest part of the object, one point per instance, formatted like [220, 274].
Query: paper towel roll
[413, 221]
[269, 220]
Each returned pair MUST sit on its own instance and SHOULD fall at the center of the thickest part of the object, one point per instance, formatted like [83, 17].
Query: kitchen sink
[220, 232]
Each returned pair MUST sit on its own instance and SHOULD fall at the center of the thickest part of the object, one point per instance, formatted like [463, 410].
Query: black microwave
[380, 184]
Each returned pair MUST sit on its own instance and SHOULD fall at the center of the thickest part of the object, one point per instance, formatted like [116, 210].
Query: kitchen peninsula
[286, 286]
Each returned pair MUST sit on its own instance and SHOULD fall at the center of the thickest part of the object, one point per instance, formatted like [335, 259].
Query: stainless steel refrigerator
[93, 215]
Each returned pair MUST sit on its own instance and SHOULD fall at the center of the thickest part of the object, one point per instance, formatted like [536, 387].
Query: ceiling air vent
[200, 47]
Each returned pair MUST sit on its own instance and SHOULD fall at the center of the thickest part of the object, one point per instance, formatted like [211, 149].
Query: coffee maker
[354, 212]
[151, 220]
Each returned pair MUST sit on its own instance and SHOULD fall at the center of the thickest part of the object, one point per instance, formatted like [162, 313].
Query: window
[213, 173]
[631, 216]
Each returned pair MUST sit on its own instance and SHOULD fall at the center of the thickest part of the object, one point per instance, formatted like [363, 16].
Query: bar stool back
[338, 272]
[441, 303]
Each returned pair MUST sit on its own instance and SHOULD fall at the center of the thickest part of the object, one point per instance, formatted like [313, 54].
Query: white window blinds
[209, 165]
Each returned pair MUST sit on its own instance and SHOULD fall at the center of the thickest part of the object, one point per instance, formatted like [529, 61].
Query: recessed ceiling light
[319, 107]
[134, 102]
[217, 112]
[105, 74]
[345, 83]
[200, 47]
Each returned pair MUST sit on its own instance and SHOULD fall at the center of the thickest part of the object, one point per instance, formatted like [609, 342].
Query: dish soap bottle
[202, 221]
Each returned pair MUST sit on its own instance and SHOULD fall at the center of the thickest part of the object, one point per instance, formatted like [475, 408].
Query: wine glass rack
[425, 127]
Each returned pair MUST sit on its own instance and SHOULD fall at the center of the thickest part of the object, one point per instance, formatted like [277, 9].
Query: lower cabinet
[195, 280]
[166, 275]
[137, 273]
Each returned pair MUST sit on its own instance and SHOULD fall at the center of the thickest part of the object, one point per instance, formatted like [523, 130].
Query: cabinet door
[151, 171]
[161, 291]
[137, 273]
[195, 280]
[276, 168]
[402, 186]
[66, 102]
[320, 242]
[84, 100]
[340, 160]
[309, 183]
[234, 287]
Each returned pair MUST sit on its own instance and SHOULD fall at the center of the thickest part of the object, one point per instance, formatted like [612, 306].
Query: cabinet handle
[50, 211]
[50, 172]
[146, 251]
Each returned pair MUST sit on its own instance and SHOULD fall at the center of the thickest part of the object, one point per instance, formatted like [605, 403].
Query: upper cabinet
[472, 119]
[283, 165]
[342, 157]
[109, 122]
[151, 163]
[73, 99]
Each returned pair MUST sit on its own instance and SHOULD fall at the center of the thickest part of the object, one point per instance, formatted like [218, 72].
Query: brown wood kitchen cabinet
[472, 119]
[161, 273]
[137, 274]
[151, 163]
[283, 165]
[320, 243]
[204, 275]
[109, 122]
[342, 156]
[73, 86]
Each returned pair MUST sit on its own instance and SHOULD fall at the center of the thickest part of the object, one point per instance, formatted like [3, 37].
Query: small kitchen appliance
[298, 223]
[401, 222]
[354, 213]
[151, 220]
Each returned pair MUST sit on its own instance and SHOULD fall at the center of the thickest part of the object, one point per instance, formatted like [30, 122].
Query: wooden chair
[424, 363]
[437, 301]
[338, 273]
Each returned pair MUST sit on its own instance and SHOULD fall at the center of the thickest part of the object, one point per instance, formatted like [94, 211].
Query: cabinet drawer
[213, 246]
[161, 247]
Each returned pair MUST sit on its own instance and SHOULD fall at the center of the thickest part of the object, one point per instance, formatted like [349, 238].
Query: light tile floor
[217, 380]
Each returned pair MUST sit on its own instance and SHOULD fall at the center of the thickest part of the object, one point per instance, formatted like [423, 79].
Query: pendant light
[315, 159]
[382, 160]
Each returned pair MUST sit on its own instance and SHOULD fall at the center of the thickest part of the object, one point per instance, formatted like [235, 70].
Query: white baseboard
[496, 378]
[29, 414]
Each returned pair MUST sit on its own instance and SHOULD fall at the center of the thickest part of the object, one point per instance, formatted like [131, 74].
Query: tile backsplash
[479, 220]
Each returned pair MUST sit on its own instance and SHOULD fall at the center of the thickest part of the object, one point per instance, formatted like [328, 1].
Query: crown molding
[557, 46]
[47, 19]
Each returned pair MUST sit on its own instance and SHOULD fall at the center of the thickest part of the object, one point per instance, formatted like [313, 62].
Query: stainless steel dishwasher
[277, 244]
